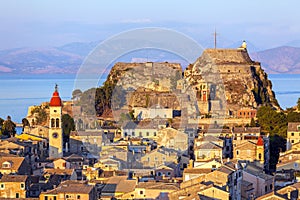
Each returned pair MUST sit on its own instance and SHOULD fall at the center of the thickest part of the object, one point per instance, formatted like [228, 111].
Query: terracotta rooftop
[59, 171]
[208, 146]
[13, 178]
[158, 185]
[197, 171]
[16, 162]
[293, 127]
[246, 130]
[119, 184]
[72, 187]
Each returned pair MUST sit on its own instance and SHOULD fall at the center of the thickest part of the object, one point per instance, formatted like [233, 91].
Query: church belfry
[55, 127]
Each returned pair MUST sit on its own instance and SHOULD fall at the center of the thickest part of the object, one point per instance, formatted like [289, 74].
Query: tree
[271, 121]
[293, 117]
[252, 123]
[298, 104]
[8, 127]
[76, 94]
[25, 122]
[68, 124]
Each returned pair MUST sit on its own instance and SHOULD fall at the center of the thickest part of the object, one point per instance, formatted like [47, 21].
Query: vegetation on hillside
[68, 124]
[272, 121]
[8, 128]
[41, 116]
[275, 123]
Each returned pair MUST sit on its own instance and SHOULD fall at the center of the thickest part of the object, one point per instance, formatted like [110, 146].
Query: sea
[18, 92]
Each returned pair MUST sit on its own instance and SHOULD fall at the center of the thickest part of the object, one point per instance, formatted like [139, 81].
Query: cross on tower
[215, 38]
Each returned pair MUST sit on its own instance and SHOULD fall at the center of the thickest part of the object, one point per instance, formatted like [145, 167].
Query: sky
[35, 23]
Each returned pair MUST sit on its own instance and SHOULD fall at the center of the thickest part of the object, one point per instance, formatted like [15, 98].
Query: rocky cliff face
[139, 85]
[234, 77]
[220, 79]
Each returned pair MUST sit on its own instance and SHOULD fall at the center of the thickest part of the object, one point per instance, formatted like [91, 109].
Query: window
[259, 156]
[2, 186]
[78, 196]
[158, 173]
[292, 141]
[141, 192]
[292, 134]
[154, 133]
[147, 133]
[169, 173]
[271, 187]
[133, 134]
[57, 123]
[141, 134]
[55, 111]
[22, 185]
[214, 166]
[6, 164]
[52, 123]
[237, 152]
[46, 198]
[17, 195]
[266, 188]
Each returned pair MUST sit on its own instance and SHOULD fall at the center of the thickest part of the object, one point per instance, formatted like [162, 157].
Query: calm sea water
[17, 92]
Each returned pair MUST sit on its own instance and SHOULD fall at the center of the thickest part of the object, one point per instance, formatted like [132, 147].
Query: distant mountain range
[284, 59]
[68, 58]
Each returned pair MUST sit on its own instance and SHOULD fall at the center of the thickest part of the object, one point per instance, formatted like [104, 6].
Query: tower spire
[56, 87]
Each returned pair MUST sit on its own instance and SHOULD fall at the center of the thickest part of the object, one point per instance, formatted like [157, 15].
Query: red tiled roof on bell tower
[55, 100]
[260, 141]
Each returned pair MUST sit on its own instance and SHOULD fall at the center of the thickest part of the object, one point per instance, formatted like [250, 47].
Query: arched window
[259, 156]
[266, 188]
[52, 123]
[57, 123]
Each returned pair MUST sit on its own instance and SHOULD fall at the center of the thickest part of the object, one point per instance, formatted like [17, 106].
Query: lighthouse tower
[55, 129]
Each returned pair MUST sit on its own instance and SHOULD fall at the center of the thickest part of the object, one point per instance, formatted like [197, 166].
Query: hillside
[220, 82]
[39, 61]
[282, 59]
[69, 57]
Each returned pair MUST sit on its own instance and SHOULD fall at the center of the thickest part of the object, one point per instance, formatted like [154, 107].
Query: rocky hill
[39, 61]
[234, 80]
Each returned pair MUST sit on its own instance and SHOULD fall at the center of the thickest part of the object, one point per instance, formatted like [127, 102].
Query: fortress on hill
[224, 82]
[232, 75]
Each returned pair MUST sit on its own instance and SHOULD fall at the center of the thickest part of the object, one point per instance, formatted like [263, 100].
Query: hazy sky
[54, 22]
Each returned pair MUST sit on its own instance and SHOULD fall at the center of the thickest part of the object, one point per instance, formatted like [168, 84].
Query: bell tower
[55, 127]
[260, 150]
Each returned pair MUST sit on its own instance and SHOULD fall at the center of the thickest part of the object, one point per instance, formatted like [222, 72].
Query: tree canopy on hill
[68, 124]
[272, 121]
[8, 127]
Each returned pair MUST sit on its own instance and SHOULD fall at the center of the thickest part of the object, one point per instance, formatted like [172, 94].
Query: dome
[55, 100]
[260, 141]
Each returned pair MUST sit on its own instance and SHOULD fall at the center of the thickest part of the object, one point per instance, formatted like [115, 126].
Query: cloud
[136, 21]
